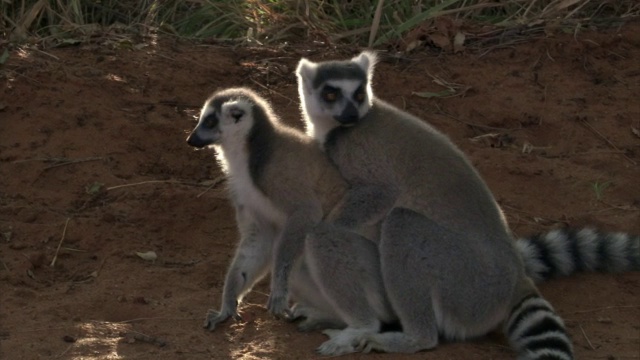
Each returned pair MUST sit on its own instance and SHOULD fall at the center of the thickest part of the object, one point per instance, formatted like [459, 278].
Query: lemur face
[220, 119]
[343, 100]
[336, 92]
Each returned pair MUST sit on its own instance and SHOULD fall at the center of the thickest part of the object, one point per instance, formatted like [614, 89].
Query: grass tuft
[363, 22]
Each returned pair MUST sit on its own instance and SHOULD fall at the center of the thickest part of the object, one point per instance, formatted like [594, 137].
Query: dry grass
[364, 22]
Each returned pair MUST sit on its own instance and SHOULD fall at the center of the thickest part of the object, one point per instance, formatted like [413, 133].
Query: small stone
[69, 339]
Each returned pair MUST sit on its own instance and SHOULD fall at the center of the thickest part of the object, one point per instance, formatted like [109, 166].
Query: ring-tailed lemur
[562, 252]
[281, 186]
[449, 264]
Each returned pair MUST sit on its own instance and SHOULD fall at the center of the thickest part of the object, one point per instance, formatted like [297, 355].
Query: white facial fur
[310, 108]
[320, 116]
[214, 128]
[231, 147]
[236, 120]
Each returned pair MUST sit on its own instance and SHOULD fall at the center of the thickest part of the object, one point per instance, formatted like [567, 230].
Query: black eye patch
[210, 121]
[359, 95]
[330, 94]
[236, 113]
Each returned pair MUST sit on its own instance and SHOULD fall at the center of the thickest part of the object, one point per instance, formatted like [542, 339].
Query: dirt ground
[94, 167]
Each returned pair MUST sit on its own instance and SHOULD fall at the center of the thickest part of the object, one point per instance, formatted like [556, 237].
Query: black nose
[349, 116]
[195, 141]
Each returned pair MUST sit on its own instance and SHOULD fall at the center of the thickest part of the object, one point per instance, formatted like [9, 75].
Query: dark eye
[210, 121]
[236, 113]
[330, 94]
[359, 95]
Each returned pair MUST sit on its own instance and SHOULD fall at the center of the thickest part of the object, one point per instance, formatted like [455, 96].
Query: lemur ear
[306, 71]
[366, 61]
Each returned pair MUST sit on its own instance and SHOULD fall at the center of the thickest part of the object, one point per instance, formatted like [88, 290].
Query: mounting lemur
[449, 264]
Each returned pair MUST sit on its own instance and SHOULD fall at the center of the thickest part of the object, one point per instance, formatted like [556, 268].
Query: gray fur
[278, 201]
[448, 262]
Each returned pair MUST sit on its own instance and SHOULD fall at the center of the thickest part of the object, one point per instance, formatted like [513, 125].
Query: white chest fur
[234, 159]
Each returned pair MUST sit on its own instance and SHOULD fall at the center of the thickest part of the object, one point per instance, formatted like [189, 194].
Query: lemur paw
[340, 342]
[278, 306]
[310, 319]
[215, 317]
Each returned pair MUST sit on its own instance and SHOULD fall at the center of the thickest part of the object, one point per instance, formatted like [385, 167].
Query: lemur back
[448, 262]
[281, 186]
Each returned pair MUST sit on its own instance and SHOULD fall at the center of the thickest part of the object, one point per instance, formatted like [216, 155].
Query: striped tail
[562, 252]
[536, 332]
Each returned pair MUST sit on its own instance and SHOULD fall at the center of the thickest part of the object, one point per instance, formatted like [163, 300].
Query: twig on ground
[42, 329]
[149, 318]
[595, 131]
[166, 57]
[65, 351]
[58, 161]
[16, 73]
[67, 162]
[97, 272]
[536, 219]
[623, 207]
[607, 308]
[215, 183]
[582, 153]
[64, 232]
[176, 103]
[40, 159]
[72, 249]
[259, 293]
[150, 182]
[472, 124]
[586, 338]
[173, 263]
[271, 90]
[4, 265]
[44, 53]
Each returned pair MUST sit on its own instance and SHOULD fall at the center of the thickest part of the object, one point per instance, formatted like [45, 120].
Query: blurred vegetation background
[362, 22]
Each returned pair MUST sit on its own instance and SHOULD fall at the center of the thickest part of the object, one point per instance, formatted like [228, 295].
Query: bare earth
[93, 160]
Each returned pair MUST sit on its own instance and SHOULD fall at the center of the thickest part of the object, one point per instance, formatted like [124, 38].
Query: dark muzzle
[349, 116]
[196, 141]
